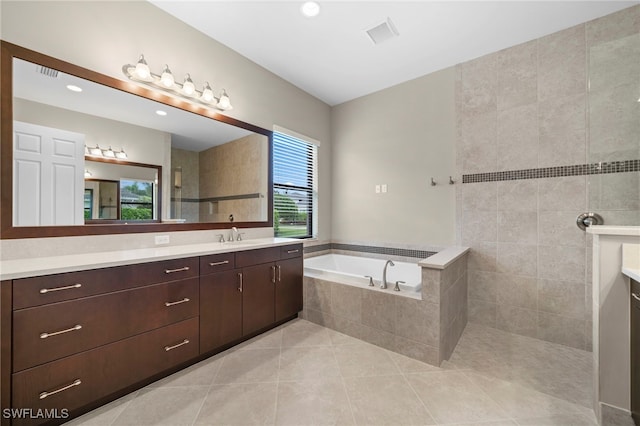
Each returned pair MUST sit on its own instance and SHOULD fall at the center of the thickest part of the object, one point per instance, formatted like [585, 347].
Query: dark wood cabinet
[220, 309]
[635, 351]
[258, 309]
[77, 339]
[288, 288]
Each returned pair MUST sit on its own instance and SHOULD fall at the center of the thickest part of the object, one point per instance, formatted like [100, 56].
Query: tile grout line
[402, 373]
[342, 379]
[275, 408]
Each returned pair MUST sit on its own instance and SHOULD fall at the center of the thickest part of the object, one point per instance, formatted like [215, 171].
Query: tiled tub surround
[531, 137]
[426, 329]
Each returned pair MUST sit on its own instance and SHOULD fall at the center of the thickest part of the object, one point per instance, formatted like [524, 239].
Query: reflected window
[136, 200]
[294, 186]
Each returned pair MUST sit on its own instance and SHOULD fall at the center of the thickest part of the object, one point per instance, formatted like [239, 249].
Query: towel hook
[433, 182]
[451, 181]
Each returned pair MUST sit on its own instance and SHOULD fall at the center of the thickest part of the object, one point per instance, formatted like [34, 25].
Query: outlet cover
[384, 188]
[162, 239]
[377, 189]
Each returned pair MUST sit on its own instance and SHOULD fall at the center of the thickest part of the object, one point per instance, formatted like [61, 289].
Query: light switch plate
[162, 239]
[377, 189]
[384, 188]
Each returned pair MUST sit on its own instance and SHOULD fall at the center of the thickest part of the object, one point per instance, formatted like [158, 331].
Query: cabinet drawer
[257, 256]
[217, 263]
[55, 288]
[288, 252]
[45, 333]
[88, 376]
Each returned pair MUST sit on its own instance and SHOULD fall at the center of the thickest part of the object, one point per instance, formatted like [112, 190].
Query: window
[136, 200]
[294, 186]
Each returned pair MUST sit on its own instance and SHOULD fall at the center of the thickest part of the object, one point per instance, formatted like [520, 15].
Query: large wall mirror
[87, 154]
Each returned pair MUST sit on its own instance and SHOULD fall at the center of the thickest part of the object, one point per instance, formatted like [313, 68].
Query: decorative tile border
[392, 251]
[559, 171]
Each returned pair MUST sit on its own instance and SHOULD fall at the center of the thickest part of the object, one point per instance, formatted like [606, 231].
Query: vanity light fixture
[106, 153]
[87, 173]
[141, 73]
[161, 113]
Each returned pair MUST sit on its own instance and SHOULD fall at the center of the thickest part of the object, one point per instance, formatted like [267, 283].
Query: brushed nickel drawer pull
[224, 262]
[171, 271]
[635, 296]
[55, 333]
[67, 287]
[279, 273]
[293, 251]
[76, 382]
[184, 342]
[240, 277]
[186, 299]
[273, 274]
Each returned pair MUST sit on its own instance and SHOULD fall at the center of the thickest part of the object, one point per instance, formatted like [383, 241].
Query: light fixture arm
[204, 97]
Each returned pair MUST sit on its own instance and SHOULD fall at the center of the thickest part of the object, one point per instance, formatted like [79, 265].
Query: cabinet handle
[184, 342]
[273, 274]
[76, 382]
[224, 262]
[293, 251]
[240, 277]
[635, 296]
[171, 271]
[279, 273]
[55, 333]
[186, 299]
[68, 287]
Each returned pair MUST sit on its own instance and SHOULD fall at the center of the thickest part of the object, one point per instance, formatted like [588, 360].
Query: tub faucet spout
[384, 273]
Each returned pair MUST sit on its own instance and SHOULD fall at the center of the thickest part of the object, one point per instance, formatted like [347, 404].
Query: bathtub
[351, 270]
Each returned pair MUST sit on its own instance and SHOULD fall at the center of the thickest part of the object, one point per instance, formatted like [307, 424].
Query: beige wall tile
[518, 227]
[479, 196]
[518, 195]
[614, 26]
[479, 143]
[346, 301]
[379, 311]
[563, 263]
[479, 82]
[482, 257]
[482, 312]
[516, 291]
[566, 298]
[564, 330]
[517, 259]
[561, 64]
[562, 131]
[418, 320]
[517, 69]
[516, 320]
[559, 228]
[614, 63]
[517, 138]
[479, 226]
[483, 285]
[562, 193]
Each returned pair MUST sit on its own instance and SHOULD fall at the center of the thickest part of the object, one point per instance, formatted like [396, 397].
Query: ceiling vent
[49, 72]
[382, 32]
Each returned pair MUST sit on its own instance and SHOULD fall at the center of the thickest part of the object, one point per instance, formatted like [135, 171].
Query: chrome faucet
[234, 234]
[384, 273]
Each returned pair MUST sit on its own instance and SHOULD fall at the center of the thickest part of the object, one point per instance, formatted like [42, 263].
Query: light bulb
[207, 93]
[142, 69]
[87, 173]
[310, 9]
[188, 88]
[224, 103]
[121, 154]
[166, 79]
[95, 151]
[108, 153]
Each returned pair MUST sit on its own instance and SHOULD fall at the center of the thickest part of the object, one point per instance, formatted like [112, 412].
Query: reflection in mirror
[216, 172]
[120, 191]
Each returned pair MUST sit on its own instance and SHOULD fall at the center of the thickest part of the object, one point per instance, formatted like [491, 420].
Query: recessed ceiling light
[160, 112]
[310, 9]
[74, 88]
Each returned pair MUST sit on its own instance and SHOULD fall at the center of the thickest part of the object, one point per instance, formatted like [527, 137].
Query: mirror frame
[8, 51]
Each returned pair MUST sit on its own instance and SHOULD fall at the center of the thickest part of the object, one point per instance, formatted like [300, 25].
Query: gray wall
[401, 136]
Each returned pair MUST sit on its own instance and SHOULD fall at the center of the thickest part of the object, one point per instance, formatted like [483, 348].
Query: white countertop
[21, 268]
[631, 261]
[633, 231]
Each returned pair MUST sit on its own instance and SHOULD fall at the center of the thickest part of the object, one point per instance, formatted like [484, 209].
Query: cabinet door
[220, 309]
[258, 297]
[288, 288]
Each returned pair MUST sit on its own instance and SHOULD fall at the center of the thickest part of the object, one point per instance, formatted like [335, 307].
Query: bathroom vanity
[78, 331]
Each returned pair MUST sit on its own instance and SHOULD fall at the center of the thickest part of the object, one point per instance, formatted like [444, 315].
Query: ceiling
[331, 57]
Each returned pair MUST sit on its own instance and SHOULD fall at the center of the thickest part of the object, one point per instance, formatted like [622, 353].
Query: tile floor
[304, 374]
